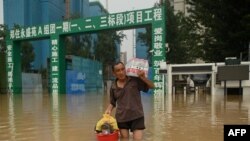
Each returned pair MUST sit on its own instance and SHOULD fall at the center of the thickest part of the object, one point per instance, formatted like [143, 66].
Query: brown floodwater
[177, 117]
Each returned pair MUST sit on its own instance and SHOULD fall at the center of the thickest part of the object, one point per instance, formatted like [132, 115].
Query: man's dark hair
[116, 63]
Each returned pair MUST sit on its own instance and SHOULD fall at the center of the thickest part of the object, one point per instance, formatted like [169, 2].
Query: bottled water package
[135, 64]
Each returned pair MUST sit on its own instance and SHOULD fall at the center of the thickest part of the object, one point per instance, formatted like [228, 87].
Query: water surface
[177, 117]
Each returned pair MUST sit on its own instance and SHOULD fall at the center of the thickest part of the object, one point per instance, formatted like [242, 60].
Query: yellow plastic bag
[106, 119]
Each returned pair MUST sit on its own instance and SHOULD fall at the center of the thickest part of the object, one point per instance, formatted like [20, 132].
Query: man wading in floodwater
[125, 96]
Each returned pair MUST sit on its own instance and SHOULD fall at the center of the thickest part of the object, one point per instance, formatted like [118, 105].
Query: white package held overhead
[136, 64]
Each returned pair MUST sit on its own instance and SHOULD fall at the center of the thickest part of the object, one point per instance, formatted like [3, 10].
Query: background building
[35, 12]
[38, 12]
[180, 6]
[80, 7]
[1, 11]
[96, 8]
[123, 57]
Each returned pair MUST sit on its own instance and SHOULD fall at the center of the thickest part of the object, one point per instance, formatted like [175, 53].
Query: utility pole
[67, 9]
[249, 51]
[134, 40]
[107, 5]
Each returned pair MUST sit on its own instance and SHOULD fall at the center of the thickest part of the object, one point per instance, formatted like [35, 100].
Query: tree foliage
[225, 27]
[79, 45]
[213, 30]
[101, 46]
[178, 29]
[106, 46]
[146, 38]
[3, 32]
[27, 55]
[27, 51]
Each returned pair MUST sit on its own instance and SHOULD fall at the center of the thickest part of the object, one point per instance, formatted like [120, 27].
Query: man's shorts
[136, 124]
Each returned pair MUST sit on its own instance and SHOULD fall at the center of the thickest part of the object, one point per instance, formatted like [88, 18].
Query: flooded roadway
[179, 117]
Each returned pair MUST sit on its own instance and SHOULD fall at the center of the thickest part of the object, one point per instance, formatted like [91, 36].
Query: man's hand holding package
[141, 74]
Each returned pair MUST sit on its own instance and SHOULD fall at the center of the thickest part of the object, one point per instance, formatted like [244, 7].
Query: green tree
[224, 27]
[3, 81]
[179, 36]
[27, 55]
[176, 37]
[79, 45]
[27, 51]
[146, 38]
[185, 41]
[106, 46]
[105, 50]
[100, 46]
[3, 32]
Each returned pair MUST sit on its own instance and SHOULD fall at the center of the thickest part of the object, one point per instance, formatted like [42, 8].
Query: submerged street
[178, 117]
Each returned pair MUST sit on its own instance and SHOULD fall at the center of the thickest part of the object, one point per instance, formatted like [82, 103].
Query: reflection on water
[177, 117]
